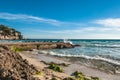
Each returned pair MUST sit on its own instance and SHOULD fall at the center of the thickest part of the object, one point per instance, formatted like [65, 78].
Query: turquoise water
[108, 50]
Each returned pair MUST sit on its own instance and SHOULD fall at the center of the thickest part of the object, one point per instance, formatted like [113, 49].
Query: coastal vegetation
[76, 75]
[16, 49]
[80, 76]
[40, 73]
[55, 67]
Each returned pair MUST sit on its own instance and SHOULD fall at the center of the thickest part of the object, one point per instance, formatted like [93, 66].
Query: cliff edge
[9, 33]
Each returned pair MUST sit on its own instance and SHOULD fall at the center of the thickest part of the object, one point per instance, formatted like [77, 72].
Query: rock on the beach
[13, 67]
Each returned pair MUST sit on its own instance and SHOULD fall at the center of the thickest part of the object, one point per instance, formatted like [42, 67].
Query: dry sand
[36, 58]
[47, 73]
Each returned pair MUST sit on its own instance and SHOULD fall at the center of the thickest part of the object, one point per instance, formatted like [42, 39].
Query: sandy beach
[39, 59]
[48, 74]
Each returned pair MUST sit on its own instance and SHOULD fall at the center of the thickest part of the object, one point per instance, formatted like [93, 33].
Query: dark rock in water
[64, 45]
[76, 45]
[13, 67]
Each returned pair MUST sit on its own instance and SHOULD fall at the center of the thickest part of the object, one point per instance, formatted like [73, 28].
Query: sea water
[107, 50]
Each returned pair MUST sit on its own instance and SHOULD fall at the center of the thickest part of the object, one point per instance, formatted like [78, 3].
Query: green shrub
[16, 49]
[78, 74]
[81, 76]
[55, 67]
[39, 73]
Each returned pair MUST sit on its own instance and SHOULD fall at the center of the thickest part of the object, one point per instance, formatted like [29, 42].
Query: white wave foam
[43, 52]
[83, 56]
[103, 45]
[89, 57]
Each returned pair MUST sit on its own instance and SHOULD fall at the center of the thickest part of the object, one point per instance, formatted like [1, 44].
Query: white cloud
[101, 29]
[9, 16]
[58, 31]
[110, 22]
[75, 31]
[23, 17]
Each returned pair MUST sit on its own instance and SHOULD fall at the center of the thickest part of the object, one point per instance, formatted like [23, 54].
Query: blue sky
[76, 19]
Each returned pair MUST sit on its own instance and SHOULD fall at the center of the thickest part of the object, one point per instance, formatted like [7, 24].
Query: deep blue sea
[108, 50]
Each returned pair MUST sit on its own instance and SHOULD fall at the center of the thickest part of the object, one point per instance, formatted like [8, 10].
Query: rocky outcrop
[40, 45]
[13, 67]
[9, 33]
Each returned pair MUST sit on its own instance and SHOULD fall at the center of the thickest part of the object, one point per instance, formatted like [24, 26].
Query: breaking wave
[83, 56]
[104, 45]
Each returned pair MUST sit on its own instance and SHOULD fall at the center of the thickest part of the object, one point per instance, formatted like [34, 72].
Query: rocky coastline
[40, 45]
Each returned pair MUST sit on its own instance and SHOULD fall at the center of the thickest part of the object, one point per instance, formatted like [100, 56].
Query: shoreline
[72, 67]
[103, 64]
